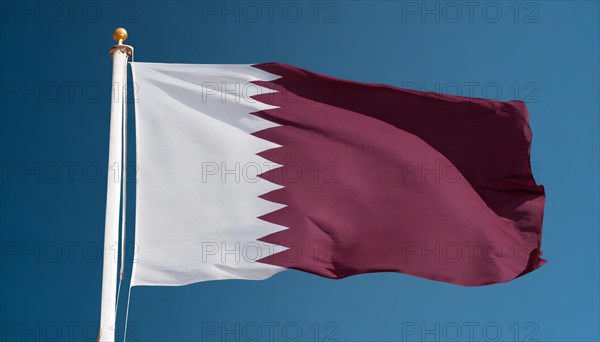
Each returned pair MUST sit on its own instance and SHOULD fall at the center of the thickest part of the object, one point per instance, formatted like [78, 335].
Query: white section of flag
[197, 192]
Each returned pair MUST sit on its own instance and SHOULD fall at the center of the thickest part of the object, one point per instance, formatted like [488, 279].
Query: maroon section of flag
[378, 179]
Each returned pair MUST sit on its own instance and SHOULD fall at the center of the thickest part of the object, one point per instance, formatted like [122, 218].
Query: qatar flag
[245, 171]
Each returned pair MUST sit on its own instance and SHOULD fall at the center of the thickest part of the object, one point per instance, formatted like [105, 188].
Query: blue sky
[55, 94]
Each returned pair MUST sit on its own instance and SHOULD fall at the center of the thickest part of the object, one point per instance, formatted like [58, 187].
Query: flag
[245, 171]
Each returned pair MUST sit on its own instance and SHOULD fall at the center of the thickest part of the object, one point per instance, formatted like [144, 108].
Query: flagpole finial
[120, 35]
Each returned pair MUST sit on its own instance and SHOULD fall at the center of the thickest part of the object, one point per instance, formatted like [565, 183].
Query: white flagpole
[119, 53]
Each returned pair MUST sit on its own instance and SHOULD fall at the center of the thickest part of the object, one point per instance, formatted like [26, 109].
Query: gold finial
[120, 35]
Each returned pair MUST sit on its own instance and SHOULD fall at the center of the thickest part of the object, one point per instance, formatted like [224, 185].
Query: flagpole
[119, 53]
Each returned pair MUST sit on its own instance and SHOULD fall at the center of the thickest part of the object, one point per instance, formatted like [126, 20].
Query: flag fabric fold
[249, 170]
